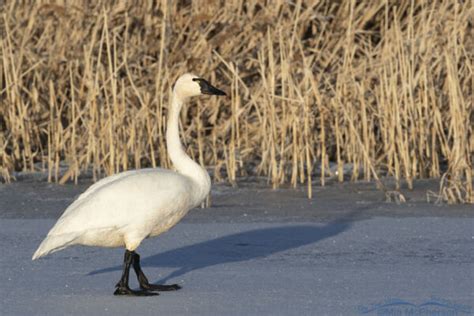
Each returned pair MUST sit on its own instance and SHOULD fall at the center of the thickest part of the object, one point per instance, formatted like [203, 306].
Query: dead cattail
[377, 88]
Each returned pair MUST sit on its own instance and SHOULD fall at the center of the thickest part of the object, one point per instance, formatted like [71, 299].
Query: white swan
[124, 209]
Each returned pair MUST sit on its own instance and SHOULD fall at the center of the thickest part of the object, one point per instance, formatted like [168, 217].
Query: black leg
[143, 281]
[122, 285]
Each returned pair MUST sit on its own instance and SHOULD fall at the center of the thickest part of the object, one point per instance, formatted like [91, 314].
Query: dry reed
[376, 87]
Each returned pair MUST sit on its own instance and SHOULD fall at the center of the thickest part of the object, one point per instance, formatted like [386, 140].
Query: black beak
[207, 88]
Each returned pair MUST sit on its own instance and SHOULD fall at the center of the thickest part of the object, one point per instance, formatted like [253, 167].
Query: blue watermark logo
[433, 307]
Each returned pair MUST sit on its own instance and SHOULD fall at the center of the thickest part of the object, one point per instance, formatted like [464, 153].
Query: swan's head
[189, 85]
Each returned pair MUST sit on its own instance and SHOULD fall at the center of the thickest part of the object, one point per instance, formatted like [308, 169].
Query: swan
[124, 209]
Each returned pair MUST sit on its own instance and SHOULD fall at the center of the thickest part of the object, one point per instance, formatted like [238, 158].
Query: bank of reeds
[382, 87]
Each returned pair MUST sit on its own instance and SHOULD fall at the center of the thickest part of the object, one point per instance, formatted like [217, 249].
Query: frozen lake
[254, 252]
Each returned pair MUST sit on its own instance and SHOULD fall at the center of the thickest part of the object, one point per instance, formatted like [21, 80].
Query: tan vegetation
[385, 86]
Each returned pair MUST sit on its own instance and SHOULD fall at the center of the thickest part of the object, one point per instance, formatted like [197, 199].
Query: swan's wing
[117, 202]
[104, 182]
[99, 204]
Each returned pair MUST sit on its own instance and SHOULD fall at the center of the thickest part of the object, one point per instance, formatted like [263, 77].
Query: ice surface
[255, 252]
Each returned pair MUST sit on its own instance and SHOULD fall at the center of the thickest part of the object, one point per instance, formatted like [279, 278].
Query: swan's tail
[54, 243]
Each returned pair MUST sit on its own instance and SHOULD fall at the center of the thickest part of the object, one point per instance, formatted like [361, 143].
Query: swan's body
[124, 209]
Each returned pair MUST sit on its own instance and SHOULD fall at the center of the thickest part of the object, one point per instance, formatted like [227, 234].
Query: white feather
[124, 209]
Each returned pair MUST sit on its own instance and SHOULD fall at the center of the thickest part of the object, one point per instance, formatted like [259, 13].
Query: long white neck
[181, 161]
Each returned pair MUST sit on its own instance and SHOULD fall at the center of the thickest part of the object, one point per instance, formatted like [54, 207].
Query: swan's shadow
[243, 246]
